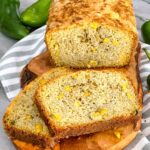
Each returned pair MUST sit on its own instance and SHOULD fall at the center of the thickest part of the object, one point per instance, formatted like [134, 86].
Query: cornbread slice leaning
[88, 101]
[22, 119]
[91, 33]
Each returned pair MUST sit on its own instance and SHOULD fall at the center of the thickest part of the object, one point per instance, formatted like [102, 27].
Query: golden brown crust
[74, 12]
[63, 13]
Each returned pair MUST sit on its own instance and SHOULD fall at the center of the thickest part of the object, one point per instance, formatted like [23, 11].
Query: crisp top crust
[116, 13]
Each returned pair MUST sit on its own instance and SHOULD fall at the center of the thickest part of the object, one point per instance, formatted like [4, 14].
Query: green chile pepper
[148, 56]
[36, 15]
[9, 20]
[148, 81]
[147, 53]
[146, 32]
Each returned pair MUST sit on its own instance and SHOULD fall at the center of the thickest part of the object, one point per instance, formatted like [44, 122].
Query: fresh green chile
[146, 32]
[148, 81]
[36, 15]
[147, 53]
[10, 23]
[148, 56]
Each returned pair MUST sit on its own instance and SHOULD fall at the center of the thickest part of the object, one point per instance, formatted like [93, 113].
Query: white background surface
[142, 11]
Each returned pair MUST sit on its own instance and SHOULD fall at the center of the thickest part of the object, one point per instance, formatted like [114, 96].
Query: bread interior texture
[90, 45]
[88, 96]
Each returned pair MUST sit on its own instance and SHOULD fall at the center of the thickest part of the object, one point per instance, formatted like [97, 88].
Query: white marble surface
[142, 12]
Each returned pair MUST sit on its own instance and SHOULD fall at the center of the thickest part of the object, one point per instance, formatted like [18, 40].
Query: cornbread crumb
[130, 96]
[92, 63]
[124, 87]
[74, 76]
[77, 103]
[67, 88]
[93, 49]
[86, 93]
[60, 96]
[115, 43]
[28, 117]
[57, 53]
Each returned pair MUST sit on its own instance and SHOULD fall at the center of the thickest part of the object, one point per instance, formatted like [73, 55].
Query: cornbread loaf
[91, 33]
[115, 139]
[22, 119]
[88, 101]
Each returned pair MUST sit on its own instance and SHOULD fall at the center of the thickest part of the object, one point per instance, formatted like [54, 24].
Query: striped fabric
[16, 58]
[19, 55]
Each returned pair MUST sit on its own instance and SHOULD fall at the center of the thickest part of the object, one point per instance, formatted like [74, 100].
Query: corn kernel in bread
[93, 33]
[95, 103]
[22, 119]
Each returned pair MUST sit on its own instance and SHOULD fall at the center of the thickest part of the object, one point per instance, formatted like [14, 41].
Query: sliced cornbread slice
[91, 33]
[87, 102]
[22, 119]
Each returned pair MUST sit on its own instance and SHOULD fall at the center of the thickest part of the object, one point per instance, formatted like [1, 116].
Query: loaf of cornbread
[88, 101]
[22, 119]
[91, 33]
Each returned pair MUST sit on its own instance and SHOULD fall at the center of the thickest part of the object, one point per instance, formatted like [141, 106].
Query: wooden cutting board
[108, 140]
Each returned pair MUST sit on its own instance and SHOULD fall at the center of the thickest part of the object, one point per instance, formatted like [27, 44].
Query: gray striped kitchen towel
[19, 55]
